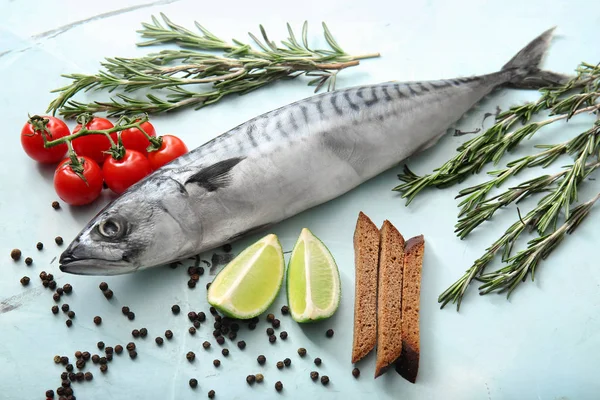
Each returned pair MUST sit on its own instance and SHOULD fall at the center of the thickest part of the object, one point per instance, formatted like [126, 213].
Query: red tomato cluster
[82, 183]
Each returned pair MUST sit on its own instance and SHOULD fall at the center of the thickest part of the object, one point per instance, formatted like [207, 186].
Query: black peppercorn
[301, 351]
[314, 375]
[250, 379]
[216, 333]
[131, 315]
[103, 286]
[201, 316]
[64, 375]
[356, 372]
[80, 376]
[15, 254]
[241, 344]
[109, 357]
[60, 391]
[45, 283]
[192, 270]
[118, 349]
[43, 275]
[109, 350]
[225, 352]
[80, 364]
[159, 341]
[270, 331]
[252, 326]
[130, 346]
[217, 325]
[196, 324]
[88, 376]
[132, 354]
[71, 314]
[259, 378]
[168, 334]
[225, 330]
[39, 245]
[103, 368]
[213, 311]
[125, 310]
[67, 288]
[65, 307]
[283, 335]
[285, 310]
[192, 330]
[276, 323]
[216, 363]
[278, 386]
[287, 362]
[318, 361]
[59, 291]
[59, 240]
[52, 285]
[270, 317]
[211, 394]
[175, 309]
[78, 354]
[69, 323]
[200, 271]
[108, 294]
[206, 344]
[103, 360]
[279, 364]
[232, 336]
[190, 356]
[325, 380]
[143, 332]
[220, 339]
[86, 355]
[95, 358]
[69, 367]
[97, 320]
[135, 333]
[261, 359]
[50, 393]
[64, 360]
[54, 309]
[329, 333]
[193, 383]
[29, 261]
[56, 205]
[192, 316]
[100, 345]
[272, 338]
[25, 281]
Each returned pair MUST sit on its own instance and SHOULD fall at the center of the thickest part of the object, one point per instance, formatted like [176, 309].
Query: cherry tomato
[71, 188]
[134, 139]
[120, 174]
[171, 148]
[94, 146]
[33, 141]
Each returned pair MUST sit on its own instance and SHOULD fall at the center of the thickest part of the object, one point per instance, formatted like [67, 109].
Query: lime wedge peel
[313, 280]
[248, 285]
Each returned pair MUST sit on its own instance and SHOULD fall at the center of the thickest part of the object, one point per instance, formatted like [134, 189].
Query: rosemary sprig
[580, 95]
[525, 262]
[165, 74]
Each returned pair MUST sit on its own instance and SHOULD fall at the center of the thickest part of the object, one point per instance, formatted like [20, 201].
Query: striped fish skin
[279, 164]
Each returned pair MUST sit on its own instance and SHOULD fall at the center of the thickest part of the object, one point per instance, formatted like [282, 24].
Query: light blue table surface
[542, 344]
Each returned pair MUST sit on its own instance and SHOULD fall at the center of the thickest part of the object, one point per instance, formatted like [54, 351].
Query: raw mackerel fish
[282, 163]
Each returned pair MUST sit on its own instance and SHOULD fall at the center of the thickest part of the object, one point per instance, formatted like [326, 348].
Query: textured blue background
[542, 344]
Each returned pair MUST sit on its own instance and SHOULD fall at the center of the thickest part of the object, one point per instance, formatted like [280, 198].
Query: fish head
[150, 224]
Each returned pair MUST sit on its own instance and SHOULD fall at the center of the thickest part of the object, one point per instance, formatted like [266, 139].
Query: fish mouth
[94, 266]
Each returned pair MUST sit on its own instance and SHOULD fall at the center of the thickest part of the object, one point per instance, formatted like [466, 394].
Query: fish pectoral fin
[431, 142]
[215, 176]
[249, 232]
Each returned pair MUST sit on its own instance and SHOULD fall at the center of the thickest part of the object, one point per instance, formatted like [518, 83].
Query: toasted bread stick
[408, 364]
[366, 258]
[389, 298]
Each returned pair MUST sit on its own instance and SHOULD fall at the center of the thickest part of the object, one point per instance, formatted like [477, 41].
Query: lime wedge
[313, 280]
[248, 285]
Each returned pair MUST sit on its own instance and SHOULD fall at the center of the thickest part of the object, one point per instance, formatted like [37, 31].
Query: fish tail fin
[524, 66]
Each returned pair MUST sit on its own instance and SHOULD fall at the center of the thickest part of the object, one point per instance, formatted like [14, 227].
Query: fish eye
[110, 228]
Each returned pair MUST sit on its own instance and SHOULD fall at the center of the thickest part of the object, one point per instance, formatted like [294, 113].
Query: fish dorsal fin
[215, 176]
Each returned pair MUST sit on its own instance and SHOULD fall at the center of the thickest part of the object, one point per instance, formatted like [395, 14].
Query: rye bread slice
[408, 364]
[366, 259]
[389, 298]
